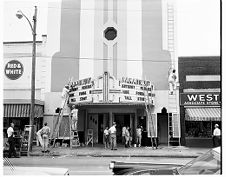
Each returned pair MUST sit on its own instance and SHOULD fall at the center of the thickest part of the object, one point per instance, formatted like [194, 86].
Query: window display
[199, 129]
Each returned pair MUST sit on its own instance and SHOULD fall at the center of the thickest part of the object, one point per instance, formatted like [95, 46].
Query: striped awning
[203, 114]
[22, 110]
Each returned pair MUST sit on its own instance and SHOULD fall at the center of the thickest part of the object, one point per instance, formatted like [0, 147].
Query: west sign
[200, 99]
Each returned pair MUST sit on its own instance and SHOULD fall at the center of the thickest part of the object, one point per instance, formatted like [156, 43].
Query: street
[87, 165]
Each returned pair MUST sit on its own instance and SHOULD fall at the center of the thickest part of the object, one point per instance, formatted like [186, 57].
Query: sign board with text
[200, 99]
[107, 89]
[14, 69]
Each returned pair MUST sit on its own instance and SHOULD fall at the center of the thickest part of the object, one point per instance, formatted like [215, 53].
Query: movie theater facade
[105, 99]
[111, 53]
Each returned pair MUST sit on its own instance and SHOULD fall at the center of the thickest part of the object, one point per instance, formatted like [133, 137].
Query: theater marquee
[107, 89]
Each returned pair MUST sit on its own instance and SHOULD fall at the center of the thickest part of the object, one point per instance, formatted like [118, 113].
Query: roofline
[21, 42]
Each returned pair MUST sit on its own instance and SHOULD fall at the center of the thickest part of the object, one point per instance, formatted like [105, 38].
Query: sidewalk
[99, 151]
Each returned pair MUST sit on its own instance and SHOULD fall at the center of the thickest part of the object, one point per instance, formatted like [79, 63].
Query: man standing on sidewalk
[112, 132]
[11, 141]
[45, 137]
[216, 136]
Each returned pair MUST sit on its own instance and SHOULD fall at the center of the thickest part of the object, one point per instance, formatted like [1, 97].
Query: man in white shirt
[64, 95]
[74, 118]
[112, 132]
[172, 81]
[45, 132]
[216, 136]
[123, 135]
[106, 138]
[11, 141]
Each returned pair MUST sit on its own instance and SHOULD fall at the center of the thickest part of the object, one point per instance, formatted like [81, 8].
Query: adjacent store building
[200, 99]
[17, 85]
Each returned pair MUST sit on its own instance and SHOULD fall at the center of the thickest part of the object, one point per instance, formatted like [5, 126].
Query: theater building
[111, 48]
[200, 99]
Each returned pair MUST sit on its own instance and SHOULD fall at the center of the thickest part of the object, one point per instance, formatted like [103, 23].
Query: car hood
[119, 164]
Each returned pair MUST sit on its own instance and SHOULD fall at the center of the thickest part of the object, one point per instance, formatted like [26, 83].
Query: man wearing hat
[112, 132]
[216, 136]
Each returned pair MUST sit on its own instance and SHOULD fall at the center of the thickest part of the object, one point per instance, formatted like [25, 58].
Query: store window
[200, 129]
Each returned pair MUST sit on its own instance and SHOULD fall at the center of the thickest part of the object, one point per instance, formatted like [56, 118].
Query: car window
[208, 163]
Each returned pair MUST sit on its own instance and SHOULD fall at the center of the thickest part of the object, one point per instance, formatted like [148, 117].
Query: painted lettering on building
[14, 69]
[202, 99]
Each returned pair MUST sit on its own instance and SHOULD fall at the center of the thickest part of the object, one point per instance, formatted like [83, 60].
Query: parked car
[208, 163]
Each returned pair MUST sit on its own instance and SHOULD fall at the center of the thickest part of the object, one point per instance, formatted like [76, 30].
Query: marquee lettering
[128, 98]
[82, 93]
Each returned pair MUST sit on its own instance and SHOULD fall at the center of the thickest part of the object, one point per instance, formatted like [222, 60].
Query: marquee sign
[200, 99]
[107, 89]
[14, 69]
[135, 90]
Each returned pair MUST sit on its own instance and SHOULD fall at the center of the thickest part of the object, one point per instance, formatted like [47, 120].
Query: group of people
[127, 136]
[110, 136]
[42, 135]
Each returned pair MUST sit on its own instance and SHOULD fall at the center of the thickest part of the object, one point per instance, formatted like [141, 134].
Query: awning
[203, 114]
[22, 110]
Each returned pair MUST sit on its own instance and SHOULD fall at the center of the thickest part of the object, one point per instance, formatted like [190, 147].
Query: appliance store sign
[200, 99]
[14, 69]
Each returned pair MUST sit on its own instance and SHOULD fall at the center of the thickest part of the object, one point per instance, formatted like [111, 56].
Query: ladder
[59, 120]
[173, 120]
[60, 117]
[89, 137]
[74, 139]
[147, 108]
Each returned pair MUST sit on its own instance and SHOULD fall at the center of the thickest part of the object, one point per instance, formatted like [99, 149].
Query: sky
[198, 24]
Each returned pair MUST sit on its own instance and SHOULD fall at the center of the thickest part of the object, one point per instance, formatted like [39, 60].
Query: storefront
[202, 111]
[18, 112]
[104, 100]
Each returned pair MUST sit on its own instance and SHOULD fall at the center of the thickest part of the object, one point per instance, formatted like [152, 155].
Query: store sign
[200, 99]
[14, 69]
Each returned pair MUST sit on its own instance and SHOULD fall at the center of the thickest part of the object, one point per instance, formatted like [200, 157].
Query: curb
[54, 155]
[116, 155]
[166, 156]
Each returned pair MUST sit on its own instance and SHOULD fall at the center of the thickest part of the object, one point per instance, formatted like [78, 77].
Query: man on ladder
[74, 118]
[74, 130]
[64, 96]
[172, 81]
[64, 99]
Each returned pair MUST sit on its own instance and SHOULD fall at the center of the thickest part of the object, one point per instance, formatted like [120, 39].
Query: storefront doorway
[162, 127]
[121, 121]
[98, 122]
